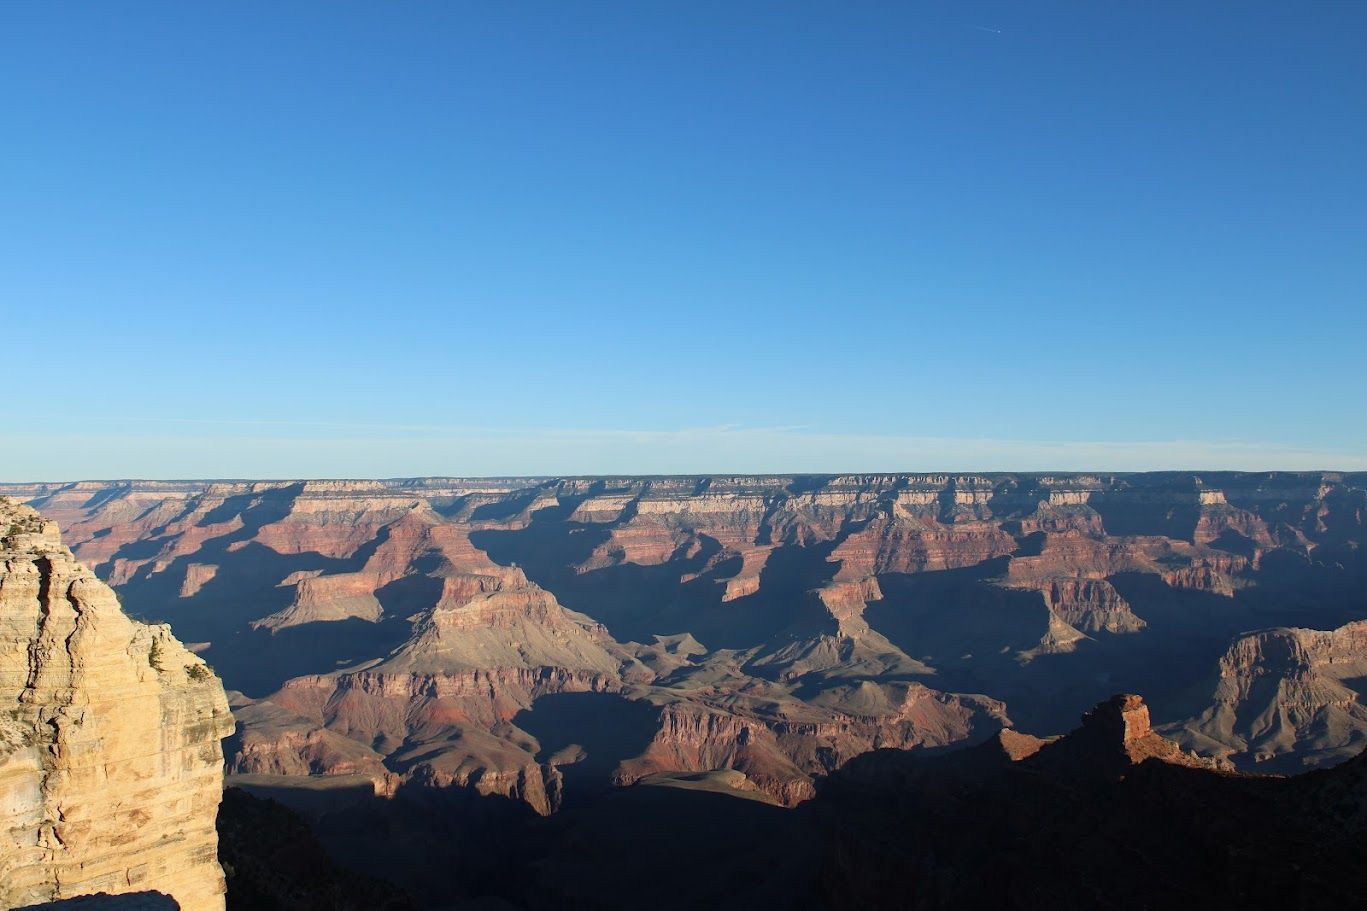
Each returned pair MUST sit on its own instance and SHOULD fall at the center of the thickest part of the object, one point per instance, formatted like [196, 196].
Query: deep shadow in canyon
[602, 730]
[1108, 816]
[626, 848]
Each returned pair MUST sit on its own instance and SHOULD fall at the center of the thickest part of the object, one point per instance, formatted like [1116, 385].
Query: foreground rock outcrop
[274, 863]
[1111, 815]
[110, 765]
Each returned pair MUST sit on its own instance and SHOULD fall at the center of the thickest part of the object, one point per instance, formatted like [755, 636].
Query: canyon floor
[548, 668]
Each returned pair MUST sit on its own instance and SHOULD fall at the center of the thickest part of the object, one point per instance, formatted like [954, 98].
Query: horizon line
[647, 476]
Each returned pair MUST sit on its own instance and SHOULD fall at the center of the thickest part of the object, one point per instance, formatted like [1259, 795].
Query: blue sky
[375, 239]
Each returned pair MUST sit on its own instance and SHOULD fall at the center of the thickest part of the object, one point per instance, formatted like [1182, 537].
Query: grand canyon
[554, 456]
[570, 692]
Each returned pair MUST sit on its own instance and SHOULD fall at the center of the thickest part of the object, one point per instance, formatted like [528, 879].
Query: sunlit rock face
[1284, 699]
[111, 769]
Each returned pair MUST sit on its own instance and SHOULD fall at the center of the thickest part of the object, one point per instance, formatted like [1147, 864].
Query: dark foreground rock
[1109, 816]
[273, 862]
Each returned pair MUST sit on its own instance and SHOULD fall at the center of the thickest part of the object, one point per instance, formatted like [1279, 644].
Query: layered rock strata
[414, 630]
[110, 766]
[1284, 699]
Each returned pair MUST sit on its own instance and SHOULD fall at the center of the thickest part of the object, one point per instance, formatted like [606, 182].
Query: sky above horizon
[376, 240]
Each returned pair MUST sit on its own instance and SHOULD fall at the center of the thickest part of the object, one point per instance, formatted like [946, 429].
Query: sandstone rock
[784, 751]
[475, 661]
[1283, 700]
[104, 901]
[1091, 605]
[196, 575]
[110, 765]
[1116, 736]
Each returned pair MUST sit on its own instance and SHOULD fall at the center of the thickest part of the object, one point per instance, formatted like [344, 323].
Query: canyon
[522, 648]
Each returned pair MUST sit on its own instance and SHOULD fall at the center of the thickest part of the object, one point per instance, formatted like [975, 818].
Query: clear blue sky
[342, 239]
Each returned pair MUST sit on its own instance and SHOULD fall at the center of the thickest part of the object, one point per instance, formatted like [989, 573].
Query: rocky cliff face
[1284, 699]
[110, 764]
[785, 752]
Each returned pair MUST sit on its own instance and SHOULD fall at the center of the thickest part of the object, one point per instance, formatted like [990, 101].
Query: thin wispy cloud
[201, 447]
